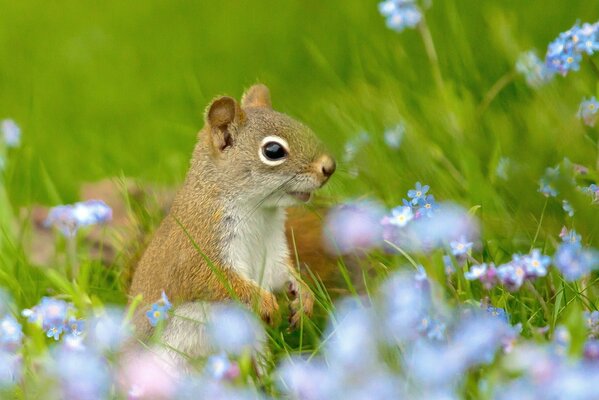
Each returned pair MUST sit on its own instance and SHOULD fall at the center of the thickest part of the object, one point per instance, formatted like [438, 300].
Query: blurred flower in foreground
[574, 261]
[547, 182]
[589, 111]
[159, 310]
[11, 133]
[144, 375]
[82, 374]
[565, 53]
[351, 344]
[533, 69]
[234, 330]
[353, 227]
[108, 331]
[219, 367]
[405, 304]
[394, 136]
[449, 223]
[400, 14]
[10, 369]
[307, 380]
[11, 333]
[55, 316]
[69, 218]
[591, 350]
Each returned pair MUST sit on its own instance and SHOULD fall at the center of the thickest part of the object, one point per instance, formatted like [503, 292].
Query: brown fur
[184, 257]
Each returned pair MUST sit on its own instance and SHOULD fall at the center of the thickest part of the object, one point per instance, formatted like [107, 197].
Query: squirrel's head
[265, 156]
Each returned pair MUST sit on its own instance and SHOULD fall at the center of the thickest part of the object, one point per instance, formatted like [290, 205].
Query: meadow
[488, 291]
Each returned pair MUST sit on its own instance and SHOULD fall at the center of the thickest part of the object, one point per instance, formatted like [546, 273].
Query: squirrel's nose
[327, 165]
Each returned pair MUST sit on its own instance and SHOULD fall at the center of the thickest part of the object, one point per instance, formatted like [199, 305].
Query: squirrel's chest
[257, 247]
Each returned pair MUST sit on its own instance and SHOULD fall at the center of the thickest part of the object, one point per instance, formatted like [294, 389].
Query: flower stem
[71, 250]
[492, 93]
[431, 52]
[540, 223]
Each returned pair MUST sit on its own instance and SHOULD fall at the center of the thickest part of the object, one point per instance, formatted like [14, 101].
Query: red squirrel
[225, 234]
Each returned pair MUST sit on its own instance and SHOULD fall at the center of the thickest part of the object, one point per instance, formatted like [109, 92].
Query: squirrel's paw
[302, 303]
[268, 307]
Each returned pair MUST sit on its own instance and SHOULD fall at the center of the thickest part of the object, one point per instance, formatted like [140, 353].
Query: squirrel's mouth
[301, 196]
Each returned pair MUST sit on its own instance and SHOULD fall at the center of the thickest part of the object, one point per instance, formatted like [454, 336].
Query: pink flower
[146, 376]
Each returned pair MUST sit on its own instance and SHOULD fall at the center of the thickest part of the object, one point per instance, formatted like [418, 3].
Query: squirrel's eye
[273, 150]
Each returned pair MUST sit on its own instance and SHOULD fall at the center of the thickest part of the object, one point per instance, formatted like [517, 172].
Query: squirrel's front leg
[251, 294]
[301, 296]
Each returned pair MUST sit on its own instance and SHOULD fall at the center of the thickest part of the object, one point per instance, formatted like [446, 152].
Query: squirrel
[224, 236]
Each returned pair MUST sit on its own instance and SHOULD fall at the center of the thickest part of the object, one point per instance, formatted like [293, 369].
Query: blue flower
[233, 329]
[485, 273]
[593, 191]
[52, 315]
[592, 323]
[536, 264]
[588, 111]
[547, 188]
[574, 261]
[159, 310]
[460, 247]
[54, 332]
[354, 145]
[11, 133]
[400, 216]
[433, 329]
[69, 218]
[75, 326]
[448, 264]
[586, 38]
[512, 275]
[565, 53]
[82, 374]
[570, 236]
[568, 208]
[157, 314]
[393, 136]
[498, 313]
[354, 226]
[418, 193]
[535, 72]
[109, 330]
[561, 340]
[11, 333]
[591, 350]
[219, 367]
[400, 14]
[428, 205]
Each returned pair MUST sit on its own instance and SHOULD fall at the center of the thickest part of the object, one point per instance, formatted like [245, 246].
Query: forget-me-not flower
[11, 133]
[588, 111]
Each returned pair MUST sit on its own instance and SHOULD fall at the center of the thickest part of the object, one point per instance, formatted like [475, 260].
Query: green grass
[119, 89]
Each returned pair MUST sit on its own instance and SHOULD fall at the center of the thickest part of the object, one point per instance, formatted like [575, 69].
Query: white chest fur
[257, 248]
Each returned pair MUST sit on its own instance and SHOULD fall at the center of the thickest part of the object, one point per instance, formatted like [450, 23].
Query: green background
[114, 88]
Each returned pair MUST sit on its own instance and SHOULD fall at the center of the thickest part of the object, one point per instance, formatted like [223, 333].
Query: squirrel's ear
[256, 96]
[223, 116]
